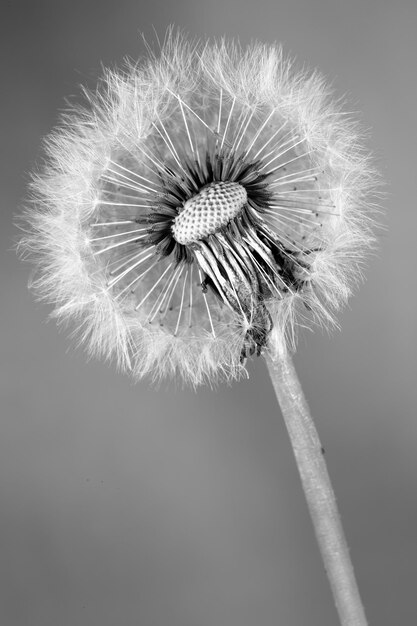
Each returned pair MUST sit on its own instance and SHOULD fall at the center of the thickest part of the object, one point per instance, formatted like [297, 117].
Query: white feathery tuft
[120, 171]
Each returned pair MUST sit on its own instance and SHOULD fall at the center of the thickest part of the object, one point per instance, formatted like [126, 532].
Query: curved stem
[317, 489]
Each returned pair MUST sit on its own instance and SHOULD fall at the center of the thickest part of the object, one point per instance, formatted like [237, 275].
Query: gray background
[122, 505]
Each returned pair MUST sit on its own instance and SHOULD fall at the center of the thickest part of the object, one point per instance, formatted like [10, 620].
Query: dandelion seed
[210, 178]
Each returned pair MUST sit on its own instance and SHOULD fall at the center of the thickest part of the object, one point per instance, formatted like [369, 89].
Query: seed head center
[209, 210]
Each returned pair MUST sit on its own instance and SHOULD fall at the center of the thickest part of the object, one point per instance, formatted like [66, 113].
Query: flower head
[203, 204]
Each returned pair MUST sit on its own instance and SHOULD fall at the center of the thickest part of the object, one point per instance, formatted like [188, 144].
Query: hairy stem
[317, 489]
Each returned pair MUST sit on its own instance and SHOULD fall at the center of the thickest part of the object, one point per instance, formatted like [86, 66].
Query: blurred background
[123, 505]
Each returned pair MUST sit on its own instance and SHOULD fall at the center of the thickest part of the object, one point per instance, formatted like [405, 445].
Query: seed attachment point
[208, 211]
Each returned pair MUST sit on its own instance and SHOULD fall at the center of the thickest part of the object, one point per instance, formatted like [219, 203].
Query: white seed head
[203, 204]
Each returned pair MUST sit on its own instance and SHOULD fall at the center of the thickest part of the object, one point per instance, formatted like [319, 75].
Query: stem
[317, 489]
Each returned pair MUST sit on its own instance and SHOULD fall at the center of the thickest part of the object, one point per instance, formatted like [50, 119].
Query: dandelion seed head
[201, 207]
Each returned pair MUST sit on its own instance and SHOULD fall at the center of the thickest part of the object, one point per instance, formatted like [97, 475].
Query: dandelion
[201, 207]
[205, 204]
